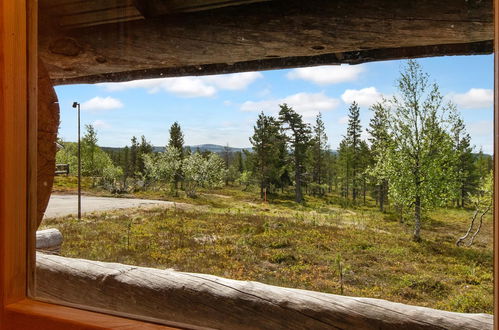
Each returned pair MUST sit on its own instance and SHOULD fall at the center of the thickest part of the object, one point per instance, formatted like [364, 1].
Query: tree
[164, 166]
[467, 177]
[482, 201]
[176, 137]
[419, 164]
[380, 142]
[177, 141]
[344, 165]
[88, 152]
[318, 152]
[354, 131]
[299, 139]
[202, 172]
[266, 141]
[134, 147]
[144, 148]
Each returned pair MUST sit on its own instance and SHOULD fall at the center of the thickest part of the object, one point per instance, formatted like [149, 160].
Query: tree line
[417, 155]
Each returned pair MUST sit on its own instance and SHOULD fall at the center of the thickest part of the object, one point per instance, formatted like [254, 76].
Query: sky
[222, 109]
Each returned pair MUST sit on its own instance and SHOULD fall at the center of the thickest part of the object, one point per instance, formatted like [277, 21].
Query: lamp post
[76, 105]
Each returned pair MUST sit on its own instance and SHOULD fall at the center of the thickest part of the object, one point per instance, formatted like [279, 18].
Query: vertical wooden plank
[32, 85]
[13, 151]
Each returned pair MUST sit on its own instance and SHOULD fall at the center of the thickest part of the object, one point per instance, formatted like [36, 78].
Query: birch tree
[419, 165]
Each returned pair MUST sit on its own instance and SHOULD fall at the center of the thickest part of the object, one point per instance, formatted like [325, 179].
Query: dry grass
[286, 244]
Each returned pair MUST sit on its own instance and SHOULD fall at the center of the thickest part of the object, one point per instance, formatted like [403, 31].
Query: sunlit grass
[286, 244]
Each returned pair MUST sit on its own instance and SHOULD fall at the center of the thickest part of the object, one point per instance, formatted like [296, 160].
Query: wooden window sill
[25, 313]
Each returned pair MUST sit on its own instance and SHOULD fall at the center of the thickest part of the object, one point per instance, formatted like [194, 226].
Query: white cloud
[365, 97]
[307, 104]
[325, 75]
[204, 86]
[100, 124]
[101, 103]
[475, 98]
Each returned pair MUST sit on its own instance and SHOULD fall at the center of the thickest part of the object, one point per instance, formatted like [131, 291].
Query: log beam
[214, 302]
[266, 35]
[49, 240]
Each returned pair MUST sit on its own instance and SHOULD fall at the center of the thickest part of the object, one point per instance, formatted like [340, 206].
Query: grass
[286, 244]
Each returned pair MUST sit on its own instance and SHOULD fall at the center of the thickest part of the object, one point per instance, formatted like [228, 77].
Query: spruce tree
[176, 137]
[299, 139]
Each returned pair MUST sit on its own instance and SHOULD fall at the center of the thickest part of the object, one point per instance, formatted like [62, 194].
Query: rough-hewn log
[49, 240]
[273, 34]
[48, 124]
[215, 302]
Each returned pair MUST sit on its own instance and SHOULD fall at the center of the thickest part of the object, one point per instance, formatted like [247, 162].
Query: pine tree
[344, 167]
[299, 140]
[318, 152]
[265, 141]
[134, 148]
[177, 141]
[354, 131]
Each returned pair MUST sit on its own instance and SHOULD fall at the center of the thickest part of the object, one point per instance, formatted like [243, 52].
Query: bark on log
[211, 301]
[275, 34]
[48, 124]
[49, 240]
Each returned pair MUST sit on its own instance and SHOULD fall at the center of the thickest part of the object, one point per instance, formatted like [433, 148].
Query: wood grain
[259, 36]
[211, 301]
[48, 125]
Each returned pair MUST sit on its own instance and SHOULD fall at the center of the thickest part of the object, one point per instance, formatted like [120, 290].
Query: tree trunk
[417, 219]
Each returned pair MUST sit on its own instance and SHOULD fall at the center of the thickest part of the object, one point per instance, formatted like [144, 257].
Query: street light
[77, 105]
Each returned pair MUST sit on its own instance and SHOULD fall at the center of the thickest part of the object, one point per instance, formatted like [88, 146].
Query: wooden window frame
[18, 77]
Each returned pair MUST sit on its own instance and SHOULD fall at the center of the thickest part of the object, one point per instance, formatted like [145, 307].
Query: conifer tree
[318, 151]
[354, 143]
[176, 141]
[467, 178]
[134, 149]
[144, 148]
[299, 140]
[265, 141]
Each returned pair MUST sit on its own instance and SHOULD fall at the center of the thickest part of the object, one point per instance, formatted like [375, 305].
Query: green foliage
[163, 167]
[318, 152]
[268, 142]
[95, 162]
[202, 172]
[419, 166]
[299, 141]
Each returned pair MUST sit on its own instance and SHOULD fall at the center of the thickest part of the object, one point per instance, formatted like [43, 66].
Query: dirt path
[63, 205]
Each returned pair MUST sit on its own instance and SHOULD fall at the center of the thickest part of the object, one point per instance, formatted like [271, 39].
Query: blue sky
[223, 109]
